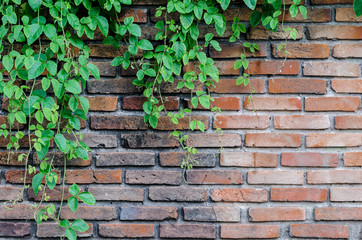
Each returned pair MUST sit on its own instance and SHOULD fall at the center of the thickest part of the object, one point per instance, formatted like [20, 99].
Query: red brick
[239, 195]
[138, 213]
[104, 103]
[298, 195]
[85, 176]
[273, 140]
[273, 67]
[335, 32]
[153, 177]
[309, 159]
[285, 177]
[347, 85]
[150, 140]
[11, 193]
[333, 69]
[249, 231]
[18, 211]
[174, 159]
[178, 194]
[343, 104]
[89, 213]
[338, 213]
[9, 229]
[346, 194]
[164, 123]
[139, 15]
[214, 177]
[97, 140]
[105, 69]
[347, 50]
[118, 85]
[181, 230]
[241, 122]
[236, 49]
[11, 159]
[171, 88]
[224, 103]
[229, 86]
[17, 176]
[136, 103]
[126, 230]
[352, 159]
[272, 214]
[261, 33]
[55, 195]
[125, 159]
[346, 15]
[214, 140]
[293, 85]
[348, 122]
[315, 15]
[212, 214]
[51, 230]
[301, 122]
[58, 160]
[224, 67]
[339, 176]
[318, 231]
[117, 194]
[273, 104]
[248, 159]
[334, 140]
[302, 50]
[108, 51]
[117, 122]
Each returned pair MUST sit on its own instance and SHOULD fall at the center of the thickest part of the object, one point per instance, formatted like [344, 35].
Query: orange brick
[347, 15]
[272, 214]
[236, 49]
[293, 85]
[309, 159]
[273, 67]
[249, 231]
[287, 177]
[104, 103]
[298, 195]
[239, 195]
[339, 176]
[302, 50]
[136, 103]
[241, 122]
[338, 213]
[139, 15]
[273, 140]
[352, 159]
[348, 122]
[273, 103]
[229, 86]
[214, 177]
[335, 32]
[261, 33]
[333, 140]
[347, 50]
[343, 104]
[301, 122]
[318, 231]
[333, 69]
[347, 85]
[224, 103]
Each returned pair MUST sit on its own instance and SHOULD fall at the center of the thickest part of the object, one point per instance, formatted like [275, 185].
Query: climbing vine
[45, 64]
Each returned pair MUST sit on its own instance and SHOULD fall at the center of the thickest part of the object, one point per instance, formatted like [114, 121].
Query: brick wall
[292, 156]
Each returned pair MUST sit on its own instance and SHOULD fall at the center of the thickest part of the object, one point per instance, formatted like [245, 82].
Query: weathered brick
[301, 122]
[164, 123]
[153, 177]
[295, 85]
[117, 122]
[302, 50]
[347, 50]
[11, 193]
[117, 194]
[214, 140]
[272, 214]
[346, 194]
[11, 159]
[346, 15]
[315, 15]
[136, 213]
[338, 213]
[202, 231]
[214, 177]
[318, 231]
[136, 103]
[273, 103]
[120, 85]
[171, 88]
[249, 231]
[224, 67]
[97, 140]
[89, 213]
[239, 195]
[339, 176]
[150, 140]
[18, 211]
[347, 85]
[126, 230]
[139, 15]
[108, 51]
[343, 104]
[236, 49]
[333, 140]
[10, 229]
[273, 67]
[333, 69]
[261, 33]
[348, 122]
[17, 176]
[51, 230]
[104, 103]
[309, 159]
[125, 159]
[248, 159]
[105, 69]
[54, 195]
[298, 195]
[352, 159]
[335, 32]
[224, 103]
[178, 194]
[285, 177]
[273, 140]
[85, 176]
[212, 214]
[174, 159]
[229, 86]
[241, 122]
[58, 160]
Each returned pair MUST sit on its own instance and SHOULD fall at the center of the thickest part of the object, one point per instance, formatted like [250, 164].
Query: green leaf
[50, 31]
[134, 29]
[36, 69]
[35, 32]
[255, 18]
[36, 182]
[73, 204]
[357, 6]
[82, 153]
[52, 67]
[144, 44]
[71, 234]
[179, 48]
[74, 189]
[103, 25]
[186, 20]
[61, 142]
[293, 10]
[153, 121]
[202, 57]
[147, 107]
[84, 103]
[39, 116]
[250, 3]
[117, 61]
[216, 45]
[34, 4]
[20, 117]
[64, 223]
[87, 198]
[73, 86]
[94, 70]
[51, 180]
[204, 101]
[224, 4]
[8, 63]
[80, 225]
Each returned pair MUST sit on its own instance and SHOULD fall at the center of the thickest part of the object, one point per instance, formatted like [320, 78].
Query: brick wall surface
[291, 161]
